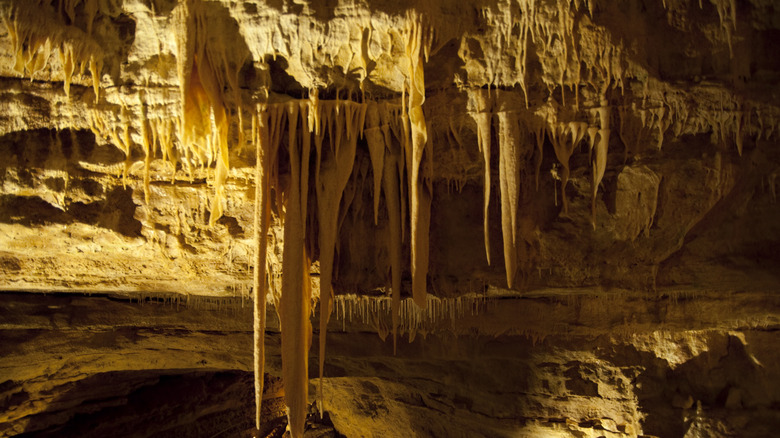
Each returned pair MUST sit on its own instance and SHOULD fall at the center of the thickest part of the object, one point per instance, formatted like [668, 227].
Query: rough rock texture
[583, 192]
[546, 365]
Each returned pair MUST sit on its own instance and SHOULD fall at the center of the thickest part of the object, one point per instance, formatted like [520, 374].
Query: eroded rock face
[440, 152]
[679, 93]
[587, 365]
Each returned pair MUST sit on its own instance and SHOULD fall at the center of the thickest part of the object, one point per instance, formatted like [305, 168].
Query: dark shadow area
[738, 234]
[150, 404]
[26, 161]
[281, 81]
[115, 213]
[167, 403]
[725, 388]
[51, 149]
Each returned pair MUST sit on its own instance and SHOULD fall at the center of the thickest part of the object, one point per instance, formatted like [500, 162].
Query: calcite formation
[345, 156]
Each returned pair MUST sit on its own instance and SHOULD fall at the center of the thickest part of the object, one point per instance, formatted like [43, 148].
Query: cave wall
[587, 365]
[92, 185]
[581, 191]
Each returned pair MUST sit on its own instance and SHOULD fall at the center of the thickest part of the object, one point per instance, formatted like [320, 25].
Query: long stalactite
[418, 44]
[334, 167]
[264, 156]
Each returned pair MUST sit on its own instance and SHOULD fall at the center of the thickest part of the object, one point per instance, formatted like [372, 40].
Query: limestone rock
[509, 169]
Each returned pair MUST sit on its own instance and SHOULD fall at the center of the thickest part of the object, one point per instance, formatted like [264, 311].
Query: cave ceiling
[596, 136]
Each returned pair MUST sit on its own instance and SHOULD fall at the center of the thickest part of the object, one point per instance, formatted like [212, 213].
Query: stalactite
[557, 133]
[162, 134]
[385, 158]
[107, 129]
[147, 145]
[727, 14]
[393, 200]
[538, 128]
[294, 305]
[509, 177]
[265, 154]
[37, 31]
[418, 42]
[481, 112]
[204, 72]
[375, 140]
[557, 137]
[527, 23]
[334, 167]
[600, 156]
[398, 121]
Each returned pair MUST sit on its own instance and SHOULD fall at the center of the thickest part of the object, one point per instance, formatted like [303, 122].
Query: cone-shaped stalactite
[481, 111]
[334, 167]
[387, 159]
[294, 304]
[509, 178]
[600, 157]
[420, 186]
[265, 155]
[204, 73]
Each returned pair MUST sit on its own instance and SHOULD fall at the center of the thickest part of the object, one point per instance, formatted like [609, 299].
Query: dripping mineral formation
[194, 192]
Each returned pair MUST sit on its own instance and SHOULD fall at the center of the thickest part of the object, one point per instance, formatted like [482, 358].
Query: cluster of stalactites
[521, 135]
[157, 133]
[38, 29]
[439, 313]
[727, 15]
[333, 128]
[321, 144]
[205, 72]
[392, 157]
[664, 109]
[571, 51]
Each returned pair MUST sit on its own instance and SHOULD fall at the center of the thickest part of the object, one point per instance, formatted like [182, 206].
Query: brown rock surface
[630, 220]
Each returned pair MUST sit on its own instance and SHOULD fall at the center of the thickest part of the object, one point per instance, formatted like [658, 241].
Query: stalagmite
[334, 167]
[482, 114]
[295, 300]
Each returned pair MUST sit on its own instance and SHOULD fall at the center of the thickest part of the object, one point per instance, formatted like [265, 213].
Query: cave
[342, 218]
